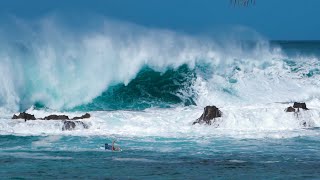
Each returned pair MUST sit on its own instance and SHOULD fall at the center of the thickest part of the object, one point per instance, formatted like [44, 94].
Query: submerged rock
[210, 112]
[70, 125]
[24, 116]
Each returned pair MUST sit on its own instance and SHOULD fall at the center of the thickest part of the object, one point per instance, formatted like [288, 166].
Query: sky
[274, 19]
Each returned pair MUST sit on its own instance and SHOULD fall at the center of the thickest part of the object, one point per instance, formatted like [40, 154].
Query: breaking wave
[118, 65]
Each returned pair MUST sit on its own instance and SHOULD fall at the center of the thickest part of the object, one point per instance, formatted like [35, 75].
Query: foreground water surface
[158, 158]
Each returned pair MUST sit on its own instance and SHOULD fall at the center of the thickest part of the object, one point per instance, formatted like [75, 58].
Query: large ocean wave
[148, 89]
[124, 66]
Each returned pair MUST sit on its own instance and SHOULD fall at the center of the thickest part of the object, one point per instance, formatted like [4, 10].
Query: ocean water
[144, 88]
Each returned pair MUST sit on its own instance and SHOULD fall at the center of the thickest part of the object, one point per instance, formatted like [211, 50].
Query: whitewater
[145, 87]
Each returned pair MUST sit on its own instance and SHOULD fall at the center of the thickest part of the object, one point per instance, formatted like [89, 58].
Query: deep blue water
[69, 157]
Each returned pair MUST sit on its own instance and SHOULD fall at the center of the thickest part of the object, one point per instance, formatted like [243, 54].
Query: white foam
[32, 155]
[258, 121]
[275, 82]
[136, 159]
[269, 162]
[46, 142]
[63, 68]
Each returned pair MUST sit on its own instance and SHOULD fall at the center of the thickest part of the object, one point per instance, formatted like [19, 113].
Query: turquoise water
[160, 158]
[148, 89]
[144, 89]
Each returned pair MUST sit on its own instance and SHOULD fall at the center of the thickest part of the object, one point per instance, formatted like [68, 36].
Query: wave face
[148, 89]
[123, 66]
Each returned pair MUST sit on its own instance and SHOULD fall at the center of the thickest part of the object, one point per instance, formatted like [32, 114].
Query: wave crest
[62, 68]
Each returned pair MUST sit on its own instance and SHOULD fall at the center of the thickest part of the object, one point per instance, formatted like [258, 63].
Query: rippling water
[159, 158]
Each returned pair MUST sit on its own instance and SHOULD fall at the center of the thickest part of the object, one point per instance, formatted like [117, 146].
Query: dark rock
[70, 125]
[24, 116]
[210, 112]
[85, 116]
[56, 117]
[304, 124]
[84, 125]
[296, 107]
[290, 109]
[300, 105]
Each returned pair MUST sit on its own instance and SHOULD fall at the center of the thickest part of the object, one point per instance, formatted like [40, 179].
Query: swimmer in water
[111, 147]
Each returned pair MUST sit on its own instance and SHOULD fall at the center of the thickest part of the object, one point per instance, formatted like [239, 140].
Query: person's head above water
[106, 146]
